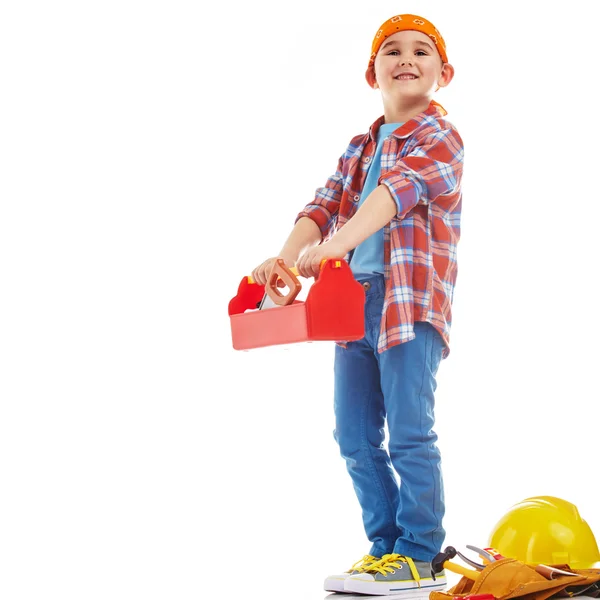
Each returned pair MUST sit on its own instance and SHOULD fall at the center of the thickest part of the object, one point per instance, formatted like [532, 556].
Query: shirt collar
[433, 110]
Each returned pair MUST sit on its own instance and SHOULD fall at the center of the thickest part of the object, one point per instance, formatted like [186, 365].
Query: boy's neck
[407, 110]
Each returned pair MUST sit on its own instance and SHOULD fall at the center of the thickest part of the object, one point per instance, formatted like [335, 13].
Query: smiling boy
[392, 209]
[406, 86]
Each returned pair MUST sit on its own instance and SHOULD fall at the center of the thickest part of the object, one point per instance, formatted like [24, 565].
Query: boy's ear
[370, 77]
[446, 75]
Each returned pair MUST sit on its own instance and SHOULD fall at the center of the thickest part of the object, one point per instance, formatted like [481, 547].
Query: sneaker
[396, 574]
[335, 583]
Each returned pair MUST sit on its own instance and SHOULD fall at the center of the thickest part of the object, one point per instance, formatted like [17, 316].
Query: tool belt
[509, 578]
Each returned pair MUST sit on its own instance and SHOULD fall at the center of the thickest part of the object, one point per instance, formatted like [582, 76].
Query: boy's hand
[309, 264]
[262, 272]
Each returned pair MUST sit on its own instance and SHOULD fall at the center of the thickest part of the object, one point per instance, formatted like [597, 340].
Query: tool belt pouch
[510, 578]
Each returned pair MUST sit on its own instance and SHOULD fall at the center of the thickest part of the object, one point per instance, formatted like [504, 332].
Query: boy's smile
[406, 77]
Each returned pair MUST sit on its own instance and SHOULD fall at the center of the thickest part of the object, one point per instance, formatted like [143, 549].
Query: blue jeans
[405, 516]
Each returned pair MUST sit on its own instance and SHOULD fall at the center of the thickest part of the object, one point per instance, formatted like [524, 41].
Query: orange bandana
[404, 23]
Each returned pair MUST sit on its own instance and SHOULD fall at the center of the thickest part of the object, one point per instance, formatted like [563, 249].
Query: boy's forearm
[377, 211]
[306, 233]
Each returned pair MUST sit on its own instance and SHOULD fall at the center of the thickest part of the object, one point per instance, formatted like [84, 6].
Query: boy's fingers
[261, 274]
[301, 269]
[315, 266]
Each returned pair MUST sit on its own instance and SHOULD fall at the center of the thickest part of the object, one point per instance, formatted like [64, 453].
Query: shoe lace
[391, 562]
[364, 563]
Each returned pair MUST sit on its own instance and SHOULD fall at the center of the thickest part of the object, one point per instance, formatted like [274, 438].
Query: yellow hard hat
[546, 530]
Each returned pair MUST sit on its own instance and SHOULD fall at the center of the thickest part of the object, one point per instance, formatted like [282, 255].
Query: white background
[152, 153]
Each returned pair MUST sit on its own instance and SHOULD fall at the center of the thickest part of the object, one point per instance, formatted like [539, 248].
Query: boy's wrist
[288, 257]
[338, 245]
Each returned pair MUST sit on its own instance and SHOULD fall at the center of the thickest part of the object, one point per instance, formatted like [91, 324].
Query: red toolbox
[333, 309]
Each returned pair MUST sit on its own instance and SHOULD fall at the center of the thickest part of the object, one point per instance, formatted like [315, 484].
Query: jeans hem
[413, 551]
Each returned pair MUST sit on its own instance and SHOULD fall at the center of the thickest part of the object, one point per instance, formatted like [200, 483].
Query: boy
[392, 209]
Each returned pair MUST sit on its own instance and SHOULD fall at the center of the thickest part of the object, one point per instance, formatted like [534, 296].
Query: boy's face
[408, 67]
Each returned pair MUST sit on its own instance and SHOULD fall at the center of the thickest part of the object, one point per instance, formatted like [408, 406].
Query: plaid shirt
[421, 165]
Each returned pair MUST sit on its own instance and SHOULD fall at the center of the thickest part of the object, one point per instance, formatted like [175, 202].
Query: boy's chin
[408, 96]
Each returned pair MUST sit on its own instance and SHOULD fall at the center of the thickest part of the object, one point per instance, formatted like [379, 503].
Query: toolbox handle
[293, 270]
[288, 276]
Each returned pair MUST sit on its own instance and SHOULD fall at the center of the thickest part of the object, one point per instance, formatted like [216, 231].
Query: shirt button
[356, 198]
[367, 159]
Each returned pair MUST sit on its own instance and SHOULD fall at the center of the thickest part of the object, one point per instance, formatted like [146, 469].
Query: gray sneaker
[396, 574]
[335, 583]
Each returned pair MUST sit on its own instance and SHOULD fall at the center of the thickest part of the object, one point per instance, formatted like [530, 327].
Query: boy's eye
[397, 53]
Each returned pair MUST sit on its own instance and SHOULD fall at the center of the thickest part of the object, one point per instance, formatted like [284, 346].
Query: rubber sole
[409, 590]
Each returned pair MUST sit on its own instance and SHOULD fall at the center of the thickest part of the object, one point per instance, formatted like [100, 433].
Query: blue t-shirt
[367, 257]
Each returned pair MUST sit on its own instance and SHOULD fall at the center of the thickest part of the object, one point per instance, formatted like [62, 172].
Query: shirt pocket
[349, 169]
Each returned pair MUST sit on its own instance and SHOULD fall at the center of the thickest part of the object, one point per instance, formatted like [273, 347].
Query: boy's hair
[404, 23]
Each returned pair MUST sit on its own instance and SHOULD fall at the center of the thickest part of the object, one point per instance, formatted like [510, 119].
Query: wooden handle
[283, 272]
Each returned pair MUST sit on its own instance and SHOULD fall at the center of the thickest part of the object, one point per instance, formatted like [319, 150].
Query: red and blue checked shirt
[421, 164]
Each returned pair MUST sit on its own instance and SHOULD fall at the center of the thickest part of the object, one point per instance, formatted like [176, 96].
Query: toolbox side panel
[335, 305]
[271, 327]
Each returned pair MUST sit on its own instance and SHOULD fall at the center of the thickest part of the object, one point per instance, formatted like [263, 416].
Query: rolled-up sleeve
[325, 207]
[431, 170]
